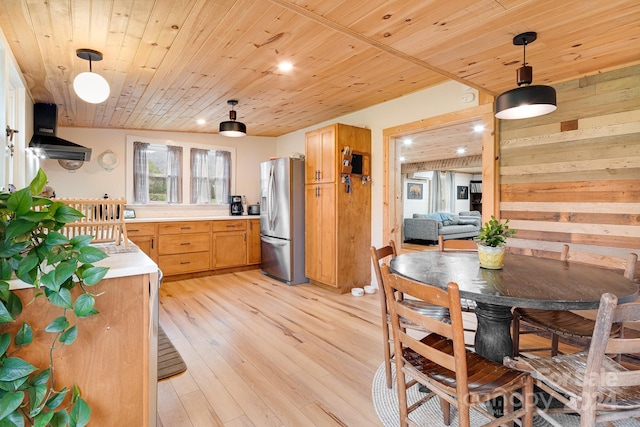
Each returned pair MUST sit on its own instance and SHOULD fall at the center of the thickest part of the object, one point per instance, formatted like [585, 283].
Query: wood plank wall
[573, 176]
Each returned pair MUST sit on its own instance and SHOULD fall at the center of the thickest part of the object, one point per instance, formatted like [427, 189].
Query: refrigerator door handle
[273, 205]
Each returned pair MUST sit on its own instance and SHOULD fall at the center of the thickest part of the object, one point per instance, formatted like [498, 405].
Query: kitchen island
[114, 358]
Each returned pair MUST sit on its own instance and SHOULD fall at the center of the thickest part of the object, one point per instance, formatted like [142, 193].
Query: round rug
[385, 402]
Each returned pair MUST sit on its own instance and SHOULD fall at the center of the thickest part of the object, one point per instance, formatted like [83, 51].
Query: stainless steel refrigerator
[282, 220]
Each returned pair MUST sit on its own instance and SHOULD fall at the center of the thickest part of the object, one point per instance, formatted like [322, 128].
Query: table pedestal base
[493, 336]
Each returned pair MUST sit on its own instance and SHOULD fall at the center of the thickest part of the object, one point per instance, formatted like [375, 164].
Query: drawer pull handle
[134, 230]
[185, 228]
[185, 243]
[185, 262]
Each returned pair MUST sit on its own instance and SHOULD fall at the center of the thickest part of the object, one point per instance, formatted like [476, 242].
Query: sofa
[464, 225]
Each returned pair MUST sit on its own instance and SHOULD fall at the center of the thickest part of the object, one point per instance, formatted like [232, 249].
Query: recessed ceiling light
[408, 141]
[201, 121]
[285, 66]
[478, 128]
[461, 150]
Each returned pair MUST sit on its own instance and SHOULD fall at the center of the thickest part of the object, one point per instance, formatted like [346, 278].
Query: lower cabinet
[182, 247]
[144, 236]
[229, 243]
[253, 242]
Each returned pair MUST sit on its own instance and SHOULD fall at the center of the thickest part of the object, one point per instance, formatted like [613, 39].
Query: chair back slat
[628, 265]
[103, 219]
[457, 245]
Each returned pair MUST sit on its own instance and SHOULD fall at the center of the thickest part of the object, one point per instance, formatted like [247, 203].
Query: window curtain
[434, 195]
[450, 202]
[174, 174]
[222, 181]
[140, 173]
[200, 189]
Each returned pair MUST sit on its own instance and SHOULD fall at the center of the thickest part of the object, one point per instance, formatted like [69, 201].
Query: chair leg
[515, 335]
[528, 402]
[387, 354]
[402, 399]
[554, 345]
[445, 407]
[507, 403]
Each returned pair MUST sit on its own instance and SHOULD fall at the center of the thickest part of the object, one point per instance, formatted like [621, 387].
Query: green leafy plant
[33, 250]
[493, 233]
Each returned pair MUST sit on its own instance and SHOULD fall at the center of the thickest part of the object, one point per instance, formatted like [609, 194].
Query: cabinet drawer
[184, 227]
[141, 229]
[184, 263]
[177, 244]
[230, 225]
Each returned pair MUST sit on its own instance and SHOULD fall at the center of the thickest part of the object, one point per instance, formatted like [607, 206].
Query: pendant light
[525, 101]
[231, 127]
[89, 86]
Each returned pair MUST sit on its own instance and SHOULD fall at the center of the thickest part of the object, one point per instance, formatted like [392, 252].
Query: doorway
[393, 182]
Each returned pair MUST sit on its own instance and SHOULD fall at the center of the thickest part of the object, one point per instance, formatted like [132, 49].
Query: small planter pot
[491, 257]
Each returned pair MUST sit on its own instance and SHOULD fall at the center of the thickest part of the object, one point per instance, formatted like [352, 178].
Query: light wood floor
[261, 353]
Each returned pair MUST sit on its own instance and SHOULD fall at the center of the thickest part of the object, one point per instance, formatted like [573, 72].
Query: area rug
[385, 402]
[170, 362]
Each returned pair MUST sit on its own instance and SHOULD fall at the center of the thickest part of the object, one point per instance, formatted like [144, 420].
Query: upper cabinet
[320, 159]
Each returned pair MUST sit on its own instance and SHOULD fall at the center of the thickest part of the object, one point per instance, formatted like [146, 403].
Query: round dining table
[524, 281]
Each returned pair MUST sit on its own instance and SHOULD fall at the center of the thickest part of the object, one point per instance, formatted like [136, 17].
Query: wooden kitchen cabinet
[320, 250]
[199, 247]
[144, 236]
[320, 146]
[229, 243]
[184, 246]
[337, 216]
[253, 242]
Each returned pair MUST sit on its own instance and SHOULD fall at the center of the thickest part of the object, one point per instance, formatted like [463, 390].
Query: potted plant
[491, 243]
[34, 251]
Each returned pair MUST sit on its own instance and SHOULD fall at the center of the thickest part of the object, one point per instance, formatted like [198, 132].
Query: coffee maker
[235, 203]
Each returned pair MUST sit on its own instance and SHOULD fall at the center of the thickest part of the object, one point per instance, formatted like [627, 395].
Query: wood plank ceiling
[171, 62]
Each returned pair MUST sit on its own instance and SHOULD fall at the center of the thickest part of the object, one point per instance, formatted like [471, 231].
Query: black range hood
[46, 144]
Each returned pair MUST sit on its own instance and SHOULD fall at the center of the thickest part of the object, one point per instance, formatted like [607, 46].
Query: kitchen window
[157, 174]
[170, 172]
[210, 176]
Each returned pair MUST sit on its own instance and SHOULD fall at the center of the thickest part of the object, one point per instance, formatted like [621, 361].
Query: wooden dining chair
[460, 245]
[568, 323]
[384, 254]
[590, 383]
[441, 362]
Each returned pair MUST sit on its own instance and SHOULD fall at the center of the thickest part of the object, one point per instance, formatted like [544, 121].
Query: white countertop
[209, 218]
[121, 264]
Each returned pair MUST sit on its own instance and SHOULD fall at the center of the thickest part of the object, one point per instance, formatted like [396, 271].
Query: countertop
[209, 218]
[121, 261]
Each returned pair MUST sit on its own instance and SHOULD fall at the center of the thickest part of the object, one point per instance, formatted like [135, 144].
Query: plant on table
[33, 250]
[494, 233]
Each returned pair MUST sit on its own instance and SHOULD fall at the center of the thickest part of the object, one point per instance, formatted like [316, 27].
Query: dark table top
[524, 281]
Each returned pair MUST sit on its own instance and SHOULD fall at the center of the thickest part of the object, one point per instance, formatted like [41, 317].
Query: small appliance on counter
[235, 203]
[254, 210]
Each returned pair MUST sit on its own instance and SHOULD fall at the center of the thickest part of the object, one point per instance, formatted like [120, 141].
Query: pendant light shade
[525, 101]
[89, 86]
[232, 128]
